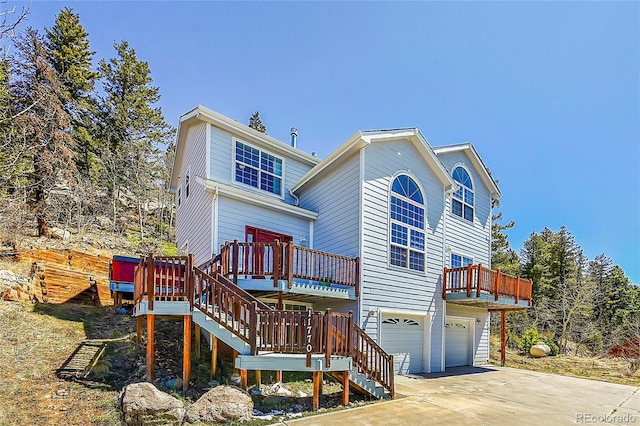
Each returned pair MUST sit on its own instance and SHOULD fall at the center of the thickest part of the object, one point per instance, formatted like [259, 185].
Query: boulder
[142, 402]
[59, 234]
[221, 404]
[539, 350]
[14, 287]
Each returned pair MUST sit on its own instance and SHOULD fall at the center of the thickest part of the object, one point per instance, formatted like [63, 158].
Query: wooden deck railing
[263, 328]
[476, 279]
[286, 261]
[371, 359]
[163, 279]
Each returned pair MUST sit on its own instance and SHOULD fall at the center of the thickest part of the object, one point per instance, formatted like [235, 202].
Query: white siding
[464, 237]
[336, 199]
[480, 318]
[234, 215]
[396, 288]
[222, 159]
[193, 217]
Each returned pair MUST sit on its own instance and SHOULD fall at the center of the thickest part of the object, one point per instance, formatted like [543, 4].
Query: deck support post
[214, 355]
[317, 389]
[186, 354]
[258, 378]
[235, 355]
[150, 343]
[243, 379]
[139, 329]
[279, 376]
[345, 387]
[197, 341]
[503, 337]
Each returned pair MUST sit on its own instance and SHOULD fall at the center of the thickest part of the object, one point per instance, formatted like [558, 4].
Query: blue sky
[548, 92]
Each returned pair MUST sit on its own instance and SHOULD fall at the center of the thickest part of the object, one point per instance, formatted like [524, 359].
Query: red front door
[262, 255]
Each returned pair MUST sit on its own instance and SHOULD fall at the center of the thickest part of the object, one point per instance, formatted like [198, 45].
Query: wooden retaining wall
[69, 276]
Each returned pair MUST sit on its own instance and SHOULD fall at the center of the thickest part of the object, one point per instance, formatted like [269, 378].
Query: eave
[203, 114]
[255, 199]
[477, 163]
[363, 138]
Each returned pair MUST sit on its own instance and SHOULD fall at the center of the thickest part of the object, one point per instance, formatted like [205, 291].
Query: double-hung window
[458, 261]
[407, 242]
[463, 200]
[257, 168]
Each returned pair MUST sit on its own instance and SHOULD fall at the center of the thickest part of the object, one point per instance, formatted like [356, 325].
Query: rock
[539, 350]
[220, 404]
[59, 234]
[104, 223]
[279, 389]
[140, 401]
[300, 394]
[14, 287]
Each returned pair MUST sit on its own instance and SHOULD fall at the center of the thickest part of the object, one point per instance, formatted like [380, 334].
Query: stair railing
[372, 360]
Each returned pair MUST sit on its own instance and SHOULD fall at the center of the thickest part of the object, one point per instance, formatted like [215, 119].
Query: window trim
[260, 171]
[187, 179]
[391, 222]
[464, 188]
[462, 258]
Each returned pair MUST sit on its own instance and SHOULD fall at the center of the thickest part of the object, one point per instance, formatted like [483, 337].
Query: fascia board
[430, 157]
[251, 135]
[477, 162]
[181, 135]
[355, 142]
[257, 200]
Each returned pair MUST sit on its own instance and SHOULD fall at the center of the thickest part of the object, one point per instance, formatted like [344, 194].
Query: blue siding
[222, 157]
[395, 288]
[336, 199]
[234, 215]
[193, 217]
[464, 237]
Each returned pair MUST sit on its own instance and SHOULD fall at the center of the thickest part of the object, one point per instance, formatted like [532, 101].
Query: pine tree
[43, 123]
[71, 57]
[503, 257]
[131, 126]
[255, 122]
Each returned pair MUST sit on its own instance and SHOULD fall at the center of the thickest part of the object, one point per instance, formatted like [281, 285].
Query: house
[385, 227]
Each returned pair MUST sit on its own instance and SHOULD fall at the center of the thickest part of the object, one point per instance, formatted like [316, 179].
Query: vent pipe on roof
[294, 137]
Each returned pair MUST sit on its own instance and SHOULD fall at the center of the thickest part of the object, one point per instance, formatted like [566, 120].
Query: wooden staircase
[322, 342]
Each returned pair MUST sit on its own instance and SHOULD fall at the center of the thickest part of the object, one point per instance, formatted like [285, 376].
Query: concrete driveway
[494, 396]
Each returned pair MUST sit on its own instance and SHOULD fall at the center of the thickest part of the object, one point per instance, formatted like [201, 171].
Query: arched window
[462, 200]
[407, 245]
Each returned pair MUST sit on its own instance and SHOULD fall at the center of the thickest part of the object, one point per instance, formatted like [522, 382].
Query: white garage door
[403, 337]
[457, 348]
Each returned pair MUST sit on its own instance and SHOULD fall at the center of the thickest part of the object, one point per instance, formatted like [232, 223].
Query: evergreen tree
[43, 122]
[255, 122]
[71, 58]
[503, 257]
[132, 127]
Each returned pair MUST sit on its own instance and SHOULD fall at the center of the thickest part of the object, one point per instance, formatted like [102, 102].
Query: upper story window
[186, 184]
[462, 200]
[258, 169]
[458, 261]
[407, 245]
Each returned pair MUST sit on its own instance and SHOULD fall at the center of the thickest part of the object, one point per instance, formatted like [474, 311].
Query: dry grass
[33, 345]
[612, 370]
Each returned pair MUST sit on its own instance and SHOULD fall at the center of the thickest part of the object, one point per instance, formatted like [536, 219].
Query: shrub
[528, 339]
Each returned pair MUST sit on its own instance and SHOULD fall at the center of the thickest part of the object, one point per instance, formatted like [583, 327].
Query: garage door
[403, 337]
[457, 348]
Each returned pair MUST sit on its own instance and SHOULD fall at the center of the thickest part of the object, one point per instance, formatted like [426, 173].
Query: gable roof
[205, 115]
[477, 163]
[363, 138]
